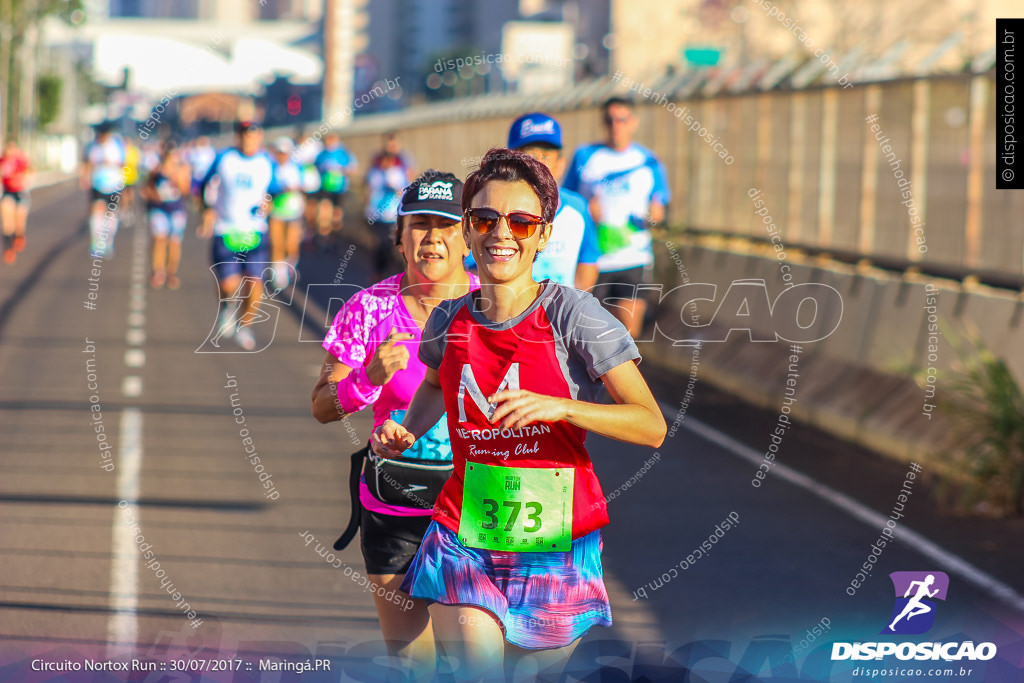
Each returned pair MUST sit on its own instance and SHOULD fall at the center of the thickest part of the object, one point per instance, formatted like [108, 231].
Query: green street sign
[702, 56]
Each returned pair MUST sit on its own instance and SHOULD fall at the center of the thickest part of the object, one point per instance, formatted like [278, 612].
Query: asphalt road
[77, 583]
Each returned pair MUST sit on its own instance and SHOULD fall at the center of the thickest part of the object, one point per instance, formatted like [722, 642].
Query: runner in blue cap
[571, 255]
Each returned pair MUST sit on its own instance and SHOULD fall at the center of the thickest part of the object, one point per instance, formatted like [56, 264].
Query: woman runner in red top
[15, 173]
[511, 563]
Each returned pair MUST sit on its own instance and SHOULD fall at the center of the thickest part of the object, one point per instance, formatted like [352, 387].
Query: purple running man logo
[916, 593]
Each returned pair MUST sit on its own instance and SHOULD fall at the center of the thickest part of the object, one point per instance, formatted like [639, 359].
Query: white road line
[945, 559]
[131, 387]
[122, 629]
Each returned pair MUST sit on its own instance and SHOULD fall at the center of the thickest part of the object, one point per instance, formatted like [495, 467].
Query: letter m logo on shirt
[467, 384]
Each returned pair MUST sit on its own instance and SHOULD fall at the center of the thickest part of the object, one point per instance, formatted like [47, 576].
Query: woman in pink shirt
[372, 360]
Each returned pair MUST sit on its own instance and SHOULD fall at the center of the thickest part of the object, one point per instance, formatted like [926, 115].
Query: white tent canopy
[192, 56]
[162, 65]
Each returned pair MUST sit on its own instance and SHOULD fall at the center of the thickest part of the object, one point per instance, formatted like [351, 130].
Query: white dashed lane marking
[122, 627]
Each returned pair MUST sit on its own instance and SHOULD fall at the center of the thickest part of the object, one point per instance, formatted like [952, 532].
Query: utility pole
[339, 59]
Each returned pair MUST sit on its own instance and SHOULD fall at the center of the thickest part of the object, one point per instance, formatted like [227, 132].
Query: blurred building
[886, 39]
[307, 10]
[154, 9]
[538, 55]
[591, 21]
[215, 10]
[407, 37]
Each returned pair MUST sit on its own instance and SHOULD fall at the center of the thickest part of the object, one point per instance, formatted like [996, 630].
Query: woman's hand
[634, 418]
[518, 408]
[389, 358]
[391, 439]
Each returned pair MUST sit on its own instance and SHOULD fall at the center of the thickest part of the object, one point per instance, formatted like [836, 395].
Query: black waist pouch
[408, 482]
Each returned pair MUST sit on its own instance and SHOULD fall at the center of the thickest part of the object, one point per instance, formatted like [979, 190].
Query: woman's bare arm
[634, 417]
[326, 406]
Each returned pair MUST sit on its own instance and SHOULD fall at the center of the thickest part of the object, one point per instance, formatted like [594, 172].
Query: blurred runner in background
[237, 220]
[15, 172]
[151, 152]
[200, 157]
[165, 191]
[286, 211]
[103, 175]
[336, 166]
[306, 151]
[627, 192]
[570, 257]
[132, 160]
[390, 171]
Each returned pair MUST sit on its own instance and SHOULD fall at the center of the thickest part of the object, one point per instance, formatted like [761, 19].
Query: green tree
[48, 89]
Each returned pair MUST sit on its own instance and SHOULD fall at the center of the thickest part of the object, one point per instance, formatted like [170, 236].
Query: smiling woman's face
[501, 257]
[433, 246]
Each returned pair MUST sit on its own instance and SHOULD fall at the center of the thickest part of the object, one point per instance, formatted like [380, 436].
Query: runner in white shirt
[286, 213]
[627, 191]
[200, 158]
[238, 223]
[103, 174]
[306, 151]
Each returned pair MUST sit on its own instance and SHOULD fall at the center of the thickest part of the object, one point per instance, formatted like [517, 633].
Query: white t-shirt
[107, 160]
[201, 158]
[624, 184]
[573, 241]
[244, 183]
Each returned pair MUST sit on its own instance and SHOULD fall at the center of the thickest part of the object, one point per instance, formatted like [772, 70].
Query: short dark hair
[511, 166]
[540, 145]
[429, 176]
[612, 101]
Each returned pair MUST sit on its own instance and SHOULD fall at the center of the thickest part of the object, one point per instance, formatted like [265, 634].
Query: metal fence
[829, 180]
